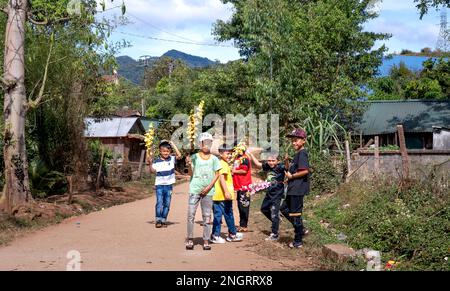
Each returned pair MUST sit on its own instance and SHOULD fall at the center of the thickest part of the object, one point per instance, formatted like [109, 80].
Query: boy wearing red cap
[298, 186]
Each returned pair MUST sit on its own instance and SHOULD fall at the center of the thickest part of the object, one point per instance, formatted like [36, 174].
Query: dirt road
[125, 238]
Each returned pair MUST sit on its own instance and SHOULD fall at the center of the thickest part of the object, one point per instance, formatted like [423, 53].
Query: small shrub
[409, 224]
[95, 156]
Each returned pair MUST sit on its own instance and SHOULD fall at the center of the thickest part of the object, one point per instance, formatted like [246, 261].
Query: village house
[426, 128]
[426, 123]
[122, 135]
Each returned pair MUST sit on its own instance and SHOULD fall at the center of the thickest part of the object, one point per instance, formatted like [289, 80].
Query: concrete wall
[441, 139]
[423, 163]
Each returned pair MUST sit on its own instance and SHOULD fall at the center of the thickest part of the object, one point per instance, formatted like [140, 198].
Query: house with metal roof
[122, 135]
[426, 123]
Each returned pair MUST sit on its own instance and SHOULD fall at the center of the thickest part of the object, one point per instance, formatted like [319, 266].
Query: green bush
[325, 176]
[95, 155]
[410, 225]
[44, 181]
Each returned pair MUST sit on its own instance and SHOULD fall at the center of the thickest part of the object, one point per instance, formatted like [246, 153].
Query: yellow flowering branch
[149, 138]
[195, 121]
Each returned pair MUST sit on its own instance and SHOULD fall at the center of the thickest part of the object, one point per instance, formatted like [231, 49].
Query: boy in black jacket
[275, 193]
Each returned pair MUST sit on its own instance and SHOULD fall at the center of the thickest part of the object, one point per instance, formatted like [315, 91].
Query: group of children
[214, 183]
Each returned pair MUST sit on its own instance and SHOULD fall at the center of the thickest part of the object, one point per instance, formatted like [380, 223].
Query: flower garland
[195, 119]
[256, 187]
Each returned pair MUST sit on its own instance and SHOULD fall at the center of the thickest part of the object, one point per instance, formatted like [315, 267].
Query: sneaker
[189, 245]
[206, 247]
[235, 238]
[164, 224]
[295, 245]
[272, 237]
[158, 224]
[217, 240]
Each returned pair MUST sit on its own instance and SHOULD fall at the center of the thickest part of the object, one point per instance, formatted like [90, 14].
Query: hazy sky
[192, 21]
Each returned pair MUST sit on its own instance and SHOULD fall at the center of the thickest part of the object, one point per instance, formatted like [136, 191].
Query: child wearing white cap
[204, 170]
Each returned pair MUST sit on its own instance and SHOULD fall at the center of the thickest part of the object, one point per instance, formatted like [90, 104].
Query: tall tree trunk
[17, 189]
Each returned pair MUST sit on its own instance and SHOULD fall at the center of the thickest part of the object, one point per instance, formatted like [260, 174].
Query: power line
[157, 28]
[173, 40]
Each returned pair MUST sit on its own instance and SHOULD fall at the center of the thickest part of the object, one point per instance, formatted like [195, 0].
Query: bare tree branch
[34, 103]
[47, 22]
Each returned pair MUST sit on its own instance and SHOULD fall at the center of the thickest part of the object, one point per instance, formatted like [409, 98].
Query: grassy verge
[410, 224]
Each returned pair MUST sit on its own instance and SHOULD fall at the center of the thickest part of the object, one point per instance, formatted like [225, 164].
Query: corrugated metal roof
[416, 116]
[109, 126]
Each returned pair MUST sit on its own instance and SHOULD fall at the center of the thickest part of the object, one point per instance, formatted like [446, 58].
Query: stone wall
[422, 164]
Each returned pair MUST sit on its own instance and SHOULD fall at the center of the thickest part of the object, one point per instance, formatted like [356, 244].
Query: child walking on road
[275, 193]
[242, 178]
[204, 169]
[223, 201]
[164, 167]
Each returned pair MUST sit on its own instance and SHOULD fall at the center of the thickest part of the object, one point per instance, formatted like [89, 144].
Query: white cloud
[397, 5]
[181, 20]
[175, 13]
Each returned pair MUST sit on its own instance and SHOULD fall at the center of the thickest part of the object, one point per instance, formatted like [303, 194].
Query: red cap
[298, 132]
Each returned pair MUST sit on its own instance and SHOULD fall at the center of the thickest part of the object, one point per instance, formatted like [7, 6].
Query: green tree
[432, 82]
[305, 53]
[424, 5]
[172, 93]
[47, 22]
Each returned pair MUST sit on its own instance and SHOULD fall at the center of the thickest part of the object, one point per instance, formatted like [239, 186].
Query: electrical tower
[443, 43]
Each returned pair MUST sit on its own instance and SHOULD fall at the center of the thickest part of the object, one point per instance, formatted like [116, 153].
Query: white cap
[205, 136]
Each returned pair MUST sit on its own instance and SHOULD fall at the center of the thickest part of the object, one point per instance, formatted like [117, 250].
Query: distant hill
[192, 61]
[130, 68]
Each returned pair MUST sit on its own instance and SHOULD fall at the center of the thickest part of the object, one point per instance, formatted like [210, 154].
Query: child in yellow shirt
[223, 201]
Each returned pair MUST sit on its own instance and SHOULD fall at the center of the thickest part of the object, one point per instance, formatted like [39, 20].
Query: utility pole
[144, 61]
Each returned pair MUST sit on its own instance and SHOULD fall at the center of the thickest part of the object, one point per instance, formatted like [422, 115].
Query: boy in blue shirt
[164, 167]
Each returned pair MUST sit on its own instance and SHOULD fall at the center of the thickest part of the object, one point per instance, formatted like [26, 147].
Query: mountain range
[132, 70]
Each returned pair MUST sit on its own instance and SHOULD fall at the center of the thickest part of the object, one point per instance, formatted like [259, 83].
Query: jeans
[206, 204]
[271, 209]
[225, 209]
[163, 197]
[292, 209]
[243, 201]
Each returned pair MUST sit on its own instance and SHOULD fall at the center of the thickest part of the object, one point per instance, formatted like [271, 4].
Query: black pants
[292, 209]
[270, 207]
[243, 201]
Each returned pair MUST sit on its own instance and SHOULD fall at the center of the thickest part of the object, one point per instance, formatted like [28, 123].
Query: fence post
[404, 152]
[97, 185]
[141, 162]
[70, 181]
[349, 164]
[377, 156]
